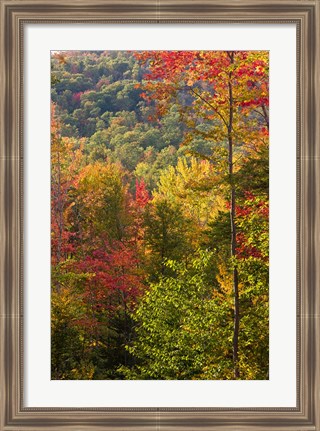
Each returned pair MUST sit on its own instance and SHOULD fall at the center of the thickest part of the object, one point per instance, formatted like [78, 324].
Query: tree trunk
[60, 211]
[236, 319]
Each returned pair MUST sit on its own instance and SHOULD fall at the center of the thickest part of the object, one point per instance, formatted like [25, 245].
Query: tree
[113, 282]
[229, 90]
[101, 197]
[66, 160]
[253, 267]
[182, 328]
[70, 345]
[192, 185]
[165, 235]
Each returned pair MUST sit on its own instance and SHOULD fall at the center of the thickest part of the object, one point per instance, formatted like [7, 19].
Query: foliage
[159, 215]
[183, 329]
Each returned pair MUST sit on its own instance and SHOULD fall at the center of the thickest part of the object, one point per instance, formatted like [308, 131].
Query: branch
[211, 106]
[263, 114]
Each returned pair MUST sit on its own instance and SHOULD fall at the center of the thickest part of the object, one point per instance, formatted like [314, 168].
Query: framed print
[146, 281]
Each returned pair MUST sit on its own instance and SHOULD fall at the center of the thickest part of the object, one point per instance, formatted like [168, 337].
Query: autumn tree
[102, 200]
[228, 91]
[192, 184]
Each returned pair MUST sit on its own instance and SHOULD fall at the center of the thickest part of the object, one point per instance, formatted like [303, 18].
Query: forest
[160, 215]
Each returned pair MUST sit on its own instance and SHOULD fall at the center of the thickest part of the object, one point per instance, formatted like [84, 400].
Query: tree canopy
[160, 215]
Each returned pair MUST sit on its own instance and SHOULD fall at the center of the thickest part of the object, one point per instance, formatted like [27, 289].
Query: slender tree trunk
[229, 125]
[266, 115]
[57, 213]
[236, 320]
[60, 210]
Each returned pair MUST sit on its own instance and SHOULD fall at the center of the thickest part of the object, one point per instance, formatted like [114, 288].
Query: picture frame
[14, 15]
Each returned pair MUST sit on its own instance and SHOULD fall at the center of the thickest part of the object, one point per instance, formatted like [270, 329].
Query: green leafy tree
[165, 237]
[183, 330]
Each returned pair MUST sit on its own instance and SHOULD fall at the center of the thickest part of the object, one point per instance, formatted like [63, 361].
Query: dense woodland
[159, 215]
